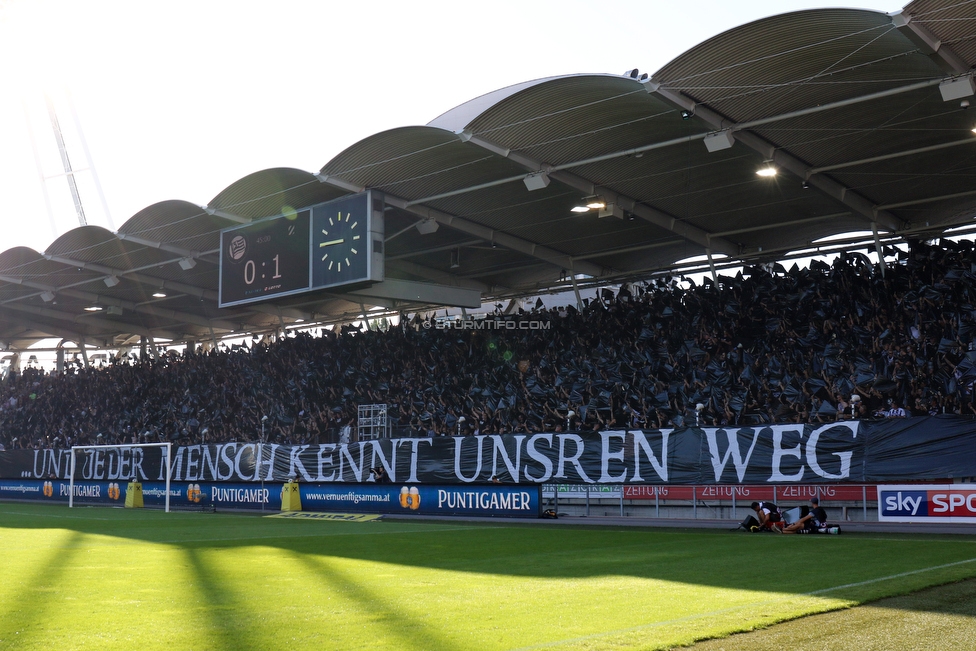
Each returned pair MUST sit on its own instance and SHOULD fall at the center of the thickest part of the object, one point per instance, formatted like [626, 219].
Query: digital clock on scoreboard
[265, 259]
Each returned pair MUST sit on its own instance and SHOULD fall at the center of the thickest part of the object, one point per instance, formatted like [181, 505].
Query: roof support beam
[897, 154]
[928, 43]
[169, 248]
[782, 158]
[226, 215]
[437, 276]
[917, 202]
[149, 309]
[553, 257]
[59, 331]
[110, 325]
[648, 213]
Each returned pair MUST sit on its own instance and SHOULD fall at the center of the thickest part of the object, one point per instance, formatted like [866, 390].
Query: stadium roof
[860, 112]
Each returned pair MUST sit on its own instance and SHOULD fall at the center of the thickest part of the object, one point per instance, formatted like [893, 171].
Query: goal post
[167, 461]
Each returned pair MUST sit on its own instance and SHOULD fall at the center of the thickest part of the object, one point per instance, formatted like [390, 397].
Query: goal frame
[71, 473]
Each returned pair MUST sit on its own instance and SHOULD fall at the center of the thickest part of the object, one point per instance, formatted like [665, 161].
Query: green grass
[935, 618]
[115, 579]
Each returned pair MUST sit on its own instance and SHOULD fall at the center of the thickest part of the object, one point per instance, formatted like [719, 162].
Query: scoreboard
[330, 245]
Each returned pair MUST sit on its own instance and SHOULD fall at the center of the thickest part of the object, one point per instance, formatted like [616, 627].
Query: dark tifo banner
[483, 500]
[939, 447]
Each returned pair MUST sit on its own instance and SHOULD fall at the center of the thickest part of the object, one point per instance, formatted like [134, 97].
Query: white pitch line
[755, 604]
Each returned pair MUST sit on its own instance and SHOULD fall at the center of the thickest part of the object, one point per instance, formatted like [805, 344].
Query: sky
[178, 100]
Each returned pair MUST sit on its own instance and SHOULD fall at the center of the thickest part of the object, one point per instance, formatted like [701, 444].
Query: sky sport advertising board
[927, 503]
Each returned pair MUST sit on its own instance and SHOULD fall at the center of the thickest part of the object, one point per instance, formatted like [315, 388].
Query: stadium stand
[767, 345]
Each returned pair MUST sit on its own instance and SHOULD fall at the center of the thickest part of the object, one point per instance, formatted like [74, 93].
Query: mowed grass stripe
[152, 580]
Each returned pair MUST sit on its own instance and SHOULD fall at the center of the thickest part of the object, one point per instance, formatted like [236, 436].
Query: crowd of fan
[767, 345]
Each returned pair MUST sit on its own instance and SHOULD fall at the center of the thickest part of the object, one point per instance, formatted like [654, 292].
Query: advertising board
[927, 503]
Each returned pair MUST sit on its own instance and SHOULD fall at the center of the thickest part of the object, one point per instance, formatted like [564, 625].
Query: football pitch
[99, 578]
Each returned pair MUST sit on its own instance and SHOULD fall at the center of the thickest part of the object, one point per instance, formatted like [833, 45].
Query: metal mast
[68, 172]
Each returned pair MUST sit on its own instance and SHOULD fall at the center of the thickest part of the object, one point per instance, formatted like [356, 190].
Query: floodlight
[536, 181]
[427, 226]
[719, 141]
[47, 297]
[111, 281]
[187, 263]
[580, 209]
[957, 88]
[159, 293]
[767, 170]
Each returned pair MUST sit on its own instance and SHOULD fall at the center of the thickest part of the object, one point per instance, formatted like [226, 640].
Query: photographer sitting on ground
[815, 521]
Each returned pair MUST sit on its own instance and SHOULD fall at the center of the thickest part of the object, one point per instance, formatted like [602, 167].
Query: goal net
[117, 465]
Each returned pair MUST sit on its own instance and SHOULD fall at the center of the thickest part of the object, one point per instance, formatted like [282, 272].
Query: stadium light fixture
[111, 281]
[957, 88]
[536, 181]
[767, 170]
[47, 297]
[93, 308]
[159, 293]
[427, 226]
[593, 202]
[187, 263]
[719, 140]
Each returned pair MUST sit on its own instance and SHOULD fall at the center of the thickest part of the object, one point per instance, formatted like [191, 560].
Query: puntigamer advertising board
[406, 499]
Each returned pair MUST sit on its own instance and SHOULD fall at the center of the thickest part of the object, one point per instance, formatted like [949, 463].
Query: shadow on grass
[843, 567]
[408, 630]
[223, 608]
[28, 606]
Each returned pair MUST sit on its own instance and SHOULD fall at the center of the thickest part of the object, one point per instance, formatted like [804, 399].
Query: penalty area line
[723, 611]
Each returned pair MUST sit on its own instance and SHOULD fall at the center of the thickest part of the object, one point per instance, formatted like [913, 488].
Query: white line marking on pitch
[722, 611]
